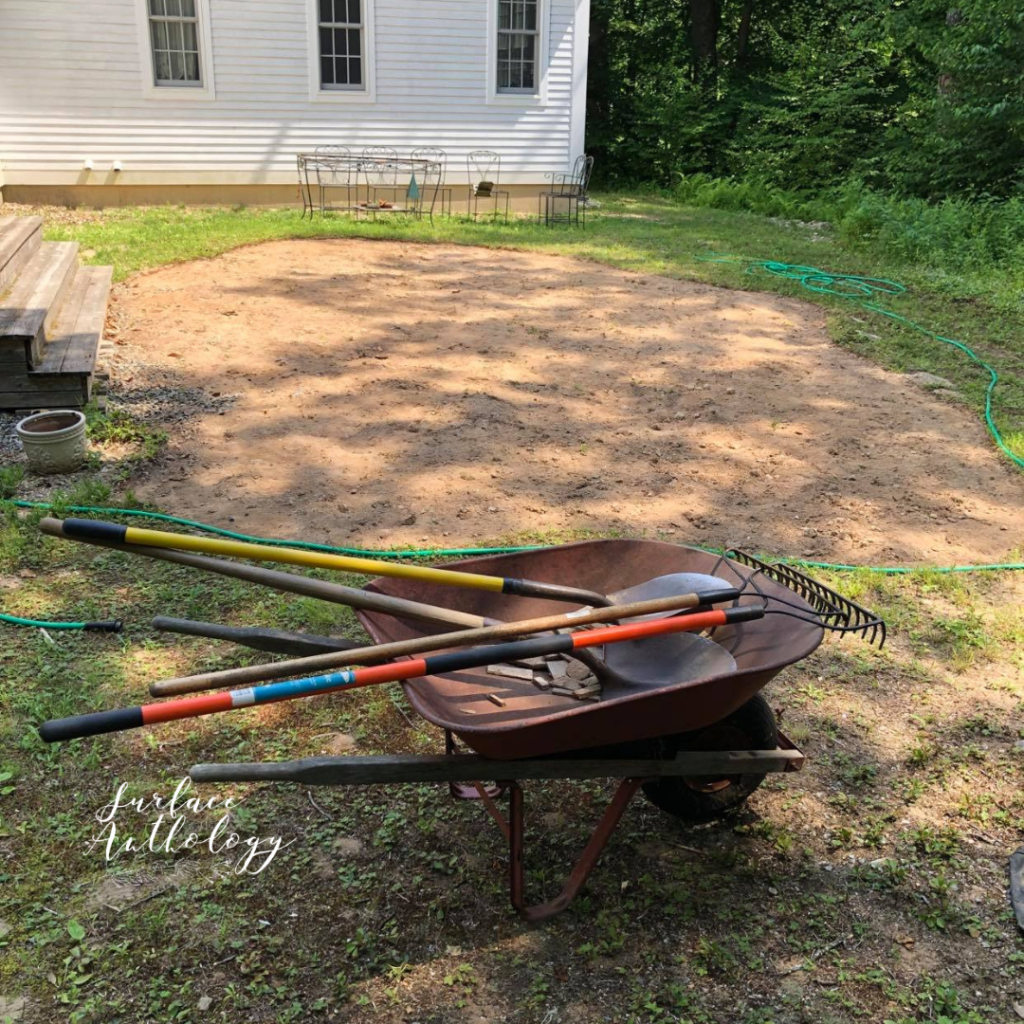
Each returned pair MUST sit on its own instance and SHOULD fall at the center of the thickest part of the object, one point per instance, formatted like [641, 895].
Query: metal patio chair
[483, 168]
[568, 191]
[380, 170]
[334, 171]
[435, 178]
[302, 167]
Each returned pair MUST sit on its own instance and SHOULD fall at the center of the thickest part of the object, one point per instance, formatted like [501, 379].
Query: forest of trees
[921, 98]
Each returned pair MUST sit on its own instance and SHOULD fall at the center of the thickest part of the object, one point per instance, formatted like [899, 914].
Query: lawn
[869, 887]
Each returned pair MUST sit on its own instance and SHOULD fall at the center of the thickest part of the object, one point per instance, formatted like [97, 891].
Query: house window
[174, 33]
[341, 44]
[518, 43]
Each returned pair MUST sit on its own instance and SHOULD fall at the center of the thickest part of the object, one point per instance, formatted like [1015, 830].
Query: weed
[10, 480]
[120, 427]
[712, 958]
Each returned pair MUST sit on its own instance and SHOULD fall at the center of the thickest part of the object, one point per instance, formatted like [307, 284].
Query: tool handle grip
[744, 613]
[91, 725]
[94, 529]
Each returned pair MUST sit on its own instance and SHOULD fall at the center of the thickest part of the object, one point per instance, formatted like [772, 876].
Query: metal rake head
[838, 614]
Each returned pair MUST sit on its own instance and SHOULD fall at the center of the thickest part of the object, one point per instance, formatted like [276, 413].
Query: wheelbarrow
[696, 748]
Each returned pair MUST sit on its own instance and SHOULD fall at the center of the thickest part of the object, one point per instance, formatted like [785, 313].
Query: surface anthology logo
[171, 831]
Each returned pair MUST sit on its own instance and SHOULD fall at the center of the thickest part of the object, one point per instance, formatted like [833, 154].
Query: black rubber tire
[750, 727]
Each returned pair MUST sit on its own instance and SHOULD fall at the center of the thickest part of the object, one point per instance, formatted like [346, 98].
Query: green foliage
[904, 97]
[955, 234]
[10, 480]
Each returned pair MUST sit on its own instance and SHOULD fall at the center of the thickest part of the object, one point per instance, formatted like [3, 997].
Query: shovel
[559, 643]
[646, 663]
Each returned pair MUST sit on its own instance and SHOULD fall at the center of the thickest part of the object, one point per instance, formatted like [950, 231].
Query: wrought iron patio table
[365, 171]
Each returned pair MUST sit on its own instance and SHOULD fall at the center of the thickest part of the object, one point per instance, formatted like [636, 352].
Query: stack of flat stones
[555, 674]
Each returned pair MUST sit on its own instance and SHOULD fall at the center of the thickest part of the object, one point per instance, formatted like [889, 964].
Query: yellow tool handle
[111, 532]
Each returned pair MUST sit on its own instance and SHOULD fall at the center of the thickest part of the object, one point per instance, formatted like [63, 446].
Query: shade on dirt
[393, 393]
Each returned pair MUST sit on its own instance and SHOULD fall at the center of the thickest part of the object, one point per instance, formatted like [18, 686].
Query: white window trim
[177, 93]
[368, 94]
[518, 99]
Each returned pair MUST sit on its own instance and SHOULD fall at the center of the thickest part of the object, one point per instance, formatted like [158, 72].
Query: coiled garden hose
[863, 290]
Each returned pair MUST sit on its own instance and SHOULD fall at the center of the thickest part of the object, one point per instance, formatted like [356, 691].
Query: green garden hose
[105, 626]
[862, 290]
[845, 286]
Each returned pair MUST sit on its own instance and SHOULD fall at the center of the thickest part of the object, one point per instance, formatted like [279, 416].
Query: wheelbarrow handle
[276, 641]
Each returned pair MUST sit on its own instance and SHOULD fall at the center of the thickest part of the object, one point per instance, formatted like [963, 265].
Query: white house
[126, 101]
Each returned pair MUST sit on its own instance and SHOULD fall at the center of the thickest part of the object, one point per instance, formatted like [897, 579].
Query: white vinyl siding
[72, 78]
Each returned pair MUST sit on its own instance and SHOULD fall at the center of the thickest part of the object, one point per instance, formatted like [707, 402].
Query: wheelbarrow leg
[579, 874]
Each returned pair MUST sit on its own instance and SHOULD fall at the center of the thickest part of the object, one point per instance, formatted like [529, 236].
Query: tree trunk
[704, 19]
[743, 36]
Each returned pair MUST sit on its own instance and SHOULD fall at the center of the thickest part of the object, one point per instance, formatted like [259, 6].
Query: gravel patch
[10, 446]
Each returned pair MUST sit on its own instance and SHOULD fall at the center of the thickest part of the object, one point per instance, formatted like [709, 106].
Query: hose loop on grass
[863, 290]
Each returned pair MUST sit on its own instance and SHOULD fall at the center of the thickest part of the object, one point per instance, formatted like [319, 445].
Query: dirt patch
[400, 394]
[116, 892]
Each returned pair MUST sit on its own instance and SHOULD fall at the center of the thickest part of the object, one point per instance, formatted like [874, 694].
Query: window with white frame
[341, 30]
[174, 34]
[518, 45]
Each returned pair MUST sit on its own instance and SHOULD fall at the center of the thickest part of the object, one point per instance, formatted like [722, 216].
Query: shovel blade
[665, 660]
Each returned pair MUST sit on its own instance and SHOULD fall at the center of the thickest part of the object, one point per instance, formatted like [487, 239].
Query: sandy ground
[371, 393]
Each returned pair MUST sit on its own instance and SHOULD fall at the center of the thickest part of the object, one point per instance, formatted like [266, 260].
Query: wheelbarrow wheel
[700, 798]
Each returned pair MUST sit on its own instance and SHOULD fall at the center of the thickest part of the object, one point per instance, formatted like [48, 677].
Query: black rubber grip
[497, 653]
[744, 613]
[94, 529]
[105, 625]
[91, 725]
[719, 596]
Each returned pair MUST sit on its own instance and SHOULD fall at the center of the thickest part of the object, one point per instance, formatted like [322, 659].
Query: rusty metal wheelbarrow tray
[533, 723]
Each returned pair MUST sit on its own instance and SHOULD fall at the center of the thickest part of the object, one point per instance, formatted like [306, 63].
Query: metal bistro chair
[303, 172]
[570, 189]
[435, 177]
[483, 168]
[334, 171]
[380, 169]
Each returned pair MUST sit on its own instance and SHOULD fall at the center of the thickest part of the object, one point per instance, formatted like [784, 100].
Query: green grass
[870, 886]
[652, 234]
[807, 905]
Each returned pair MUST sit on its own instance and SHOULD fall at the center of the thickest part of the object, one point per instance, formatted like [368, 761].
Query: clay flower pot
[54, 442]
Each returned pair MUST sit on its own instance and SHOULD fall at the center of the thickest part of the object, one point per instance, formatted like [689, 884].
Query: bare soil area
[370, 393]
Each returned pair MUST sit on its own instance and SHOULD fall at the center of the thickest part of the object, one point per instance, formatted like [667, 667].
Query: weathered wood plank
[80, 356]
[12, 357]
[56, 347]
[32, 305]
[366, 771]
[43, 399]
[20, 238]
[22, 390]
[26, 381]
